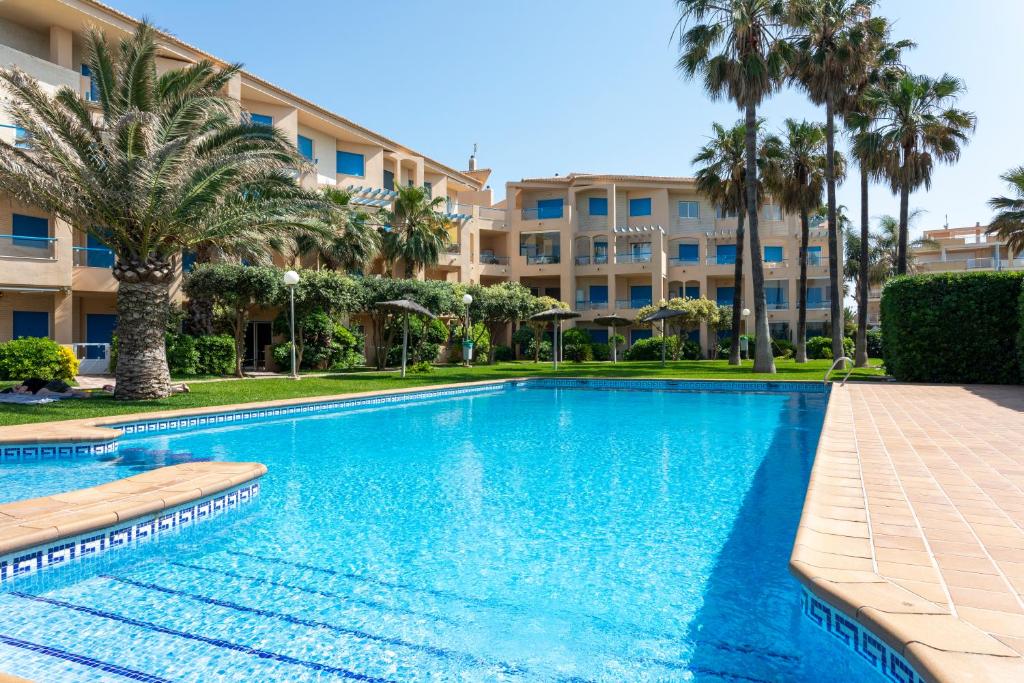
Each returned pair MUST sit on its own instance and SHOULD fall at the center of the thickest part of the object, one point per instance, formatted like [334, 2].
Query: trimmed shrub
[423, 367]
[22, 359]
[649, 349]
[545, 350]
[953, 327]
[182, 354]
[216, 354]
[576, 345]
[874, 340]
[601, 351]
[819, 348]
[503, 353]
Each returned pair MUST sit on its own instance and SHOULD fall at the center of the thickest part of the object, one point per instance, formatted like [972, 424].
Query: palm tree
[1009, 222]
[885, 246]
[831, 48]
[720, 177]
[881, 65]
[352, 238]
[165, 166]
[796, 176]
[915, 127]
[415, 232]
[739, 49]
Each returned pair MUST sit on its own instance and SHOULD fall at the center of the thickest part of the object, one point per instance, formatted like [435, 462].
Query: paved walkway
[914, 523]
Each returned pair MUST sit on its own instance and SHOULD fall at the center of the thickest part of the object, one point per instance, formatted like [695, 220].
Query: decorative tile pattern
[132, 533]
[675, 385]
[859, 640]
[55, 451]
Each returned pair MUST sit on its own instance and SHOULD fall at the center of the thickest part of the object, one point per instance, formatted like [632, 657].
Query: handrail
[836, 362]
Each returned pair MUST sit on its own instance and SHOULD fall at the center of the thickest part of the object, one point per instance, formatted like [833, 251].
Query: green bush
[503, 353]
[601, 351]
[649, 349]
[423, 367]
[216, 354]
[545, 350]
[29, 357]
[874, 339]
[282, 354]
[690, 350]
[182, 354]
[576, 345]
[821, 347]
[953, 327]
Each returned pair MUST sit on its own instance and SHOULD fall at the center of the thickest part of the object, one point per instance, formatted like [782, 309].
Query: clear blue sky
[550, 87]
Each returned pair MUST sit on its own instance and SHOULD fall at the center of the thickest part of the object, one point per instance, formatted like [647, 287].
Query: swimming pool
[542, 531]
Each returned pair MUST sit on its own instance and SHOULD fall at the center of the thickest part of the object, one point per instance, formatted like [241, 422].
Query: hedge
[954, 327]
[36, 357]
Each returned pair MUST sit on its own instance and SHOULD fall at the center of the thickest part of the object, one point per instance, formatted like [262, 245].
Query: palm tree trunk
[861, 355]
[901, 245]
[142, 302]
[836, 310]
[801, 313]
[763, 360]
[737, 297]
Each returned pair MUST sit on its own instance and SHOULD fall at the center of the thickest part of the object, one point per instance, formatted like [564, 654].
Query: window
[305, 146]
[721, 213]
[597, 206]
[773, 254]
[599, 294]
[779, 330]
[22, 138]
[637, 335]
[689, 209]
[262, 119]
[640, 251]
[688, 253]
[724, 296]
[33, 231]
[389, 181]
[815, 297]
[600, 252]
[549, 208]
[725, 254]
[349, 163]
[640, 296]
[92, 94]
[99, 254]
[640, 207]
[429, 188]
[772, 212]
[775, 295]
[31, 324]
[691, 291]
[814, 256]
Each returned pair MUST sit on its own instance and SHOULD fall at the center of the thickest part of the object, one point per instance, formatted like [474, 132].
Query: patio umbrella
[405, 307]
[556, 316]
[612, 321]
[663, 314]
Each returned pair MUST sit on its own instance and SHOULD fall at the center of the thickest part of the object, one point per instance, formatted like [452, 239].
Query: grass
[243, 391]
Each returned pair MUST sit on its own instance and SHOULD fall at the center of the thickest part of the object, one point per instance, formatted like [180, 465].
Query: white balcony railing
[633, 258]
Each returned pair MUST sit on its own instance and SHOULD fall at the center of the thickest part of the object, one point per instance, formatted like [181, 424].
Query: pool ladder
[834, 364]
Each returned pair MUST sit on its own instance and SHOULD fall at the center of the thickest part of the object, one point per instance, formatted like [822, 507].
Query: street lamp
[291, 279]
[467, 342]
[744, 342]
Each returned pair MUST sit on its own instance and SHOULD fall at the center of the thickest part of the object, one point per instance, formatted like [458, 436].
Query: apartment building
[607, 243]
[56, 282]
[954, 250]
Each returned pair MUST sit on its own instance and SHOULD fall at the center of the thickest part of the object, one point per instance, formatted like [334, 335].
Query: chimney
[472, 159]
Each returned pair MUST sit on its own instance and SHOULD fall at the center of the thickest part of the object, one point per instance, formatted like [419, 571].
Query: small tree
[717, 321]
[236, 289]
[318, 291]
[542, 303]
[498, 305]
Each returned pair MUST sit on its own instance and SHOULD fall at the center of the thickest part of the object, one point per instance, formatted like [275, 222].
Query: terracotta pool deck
[914, 523]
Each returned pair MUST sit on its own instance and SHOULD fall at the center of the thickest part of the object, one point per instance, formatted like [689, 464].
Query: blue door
[31, 324]
[549, 208]
[725, 296]
[688, 253]
[599, 294]
[773, 254]
[598, 336]
[99, 329]
[637, 335]
[692, 292]
[814, 256]
[99, 254]
[725, 254]
[33, 230]
[640, 295]
[815, 297]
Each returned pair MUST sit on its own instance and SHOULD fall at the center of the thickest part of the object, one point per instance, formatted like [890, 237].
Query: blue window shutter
[640, 295]
[305, 146]
[389, 180]
[637, 335]
[550, 208]
[725, 253]
[598, 206]
[99, 254]
[99, 329]
[640, 207]
[599, 294]
[688, 252]
[261, 119]
[692, 292]
[35, 230]
[351, 164]
[815, 295]
[773, 254]
[598, 336]
[31, 324]
[724, 296]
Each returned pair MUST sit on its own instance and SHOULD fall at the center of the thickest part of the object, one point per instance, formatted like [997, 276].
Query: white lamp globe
[467, 299]
[746, 312]
[291, 278]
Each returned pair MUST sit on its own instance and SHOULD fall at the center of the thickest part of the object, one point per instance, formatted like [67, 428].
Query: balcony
[492, 260]
[633, 258]
[817, 305]
[723, 260]
[543, 214]
[497, 217]
[93, 257]
[631, 304]
[776, 264]
[684, 262]
[51, 75]
[591, 260]
[584, 305]
[542, 259]
[778, 306]
[28, 248]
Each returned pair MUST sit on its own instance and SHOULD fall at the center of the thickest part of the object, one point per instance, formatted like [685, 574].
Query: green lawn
[242, 391]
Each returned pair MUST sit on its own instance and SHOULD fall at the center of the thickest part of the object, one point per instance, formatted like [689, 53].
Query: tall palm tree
[881, 65]
[165, 165]
[831, 47]
[415, 230]
[885, 245]
[916, 125]
[352, 238]
[739, 49]
[721, 172]
[795, 176]
[1009, 221]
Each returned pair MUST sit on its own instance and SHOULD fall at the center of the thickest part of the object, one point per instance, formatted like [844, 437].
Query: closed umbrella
[612, 321]
[556, 316]
[405, 307]
[663, 314]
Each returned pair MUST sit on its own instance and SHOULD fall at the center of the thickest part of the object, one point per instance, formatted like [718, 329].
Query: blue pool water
[521, 534]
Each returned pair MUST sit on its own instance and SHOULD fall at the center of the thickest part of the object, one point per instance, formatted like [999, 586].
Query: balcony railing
[1012, 264]
[979, 263]
[631, 304]
[584, 305]
[542, 259]
[813, 261]
[591, 260]
[93, 257]
[722, 260]
[817, 305]
[496, 215]
[453, 249]
[691, 261]
[778, 306]
[776, 264]
[538, 214]
[25, 247]
[633, 258]
[492, 260]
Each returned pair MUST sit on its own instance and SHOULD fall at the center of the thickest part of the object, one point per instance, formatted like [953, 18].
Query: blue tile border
[677, 385]
[889, 664]
[55, 451]
[65, 551]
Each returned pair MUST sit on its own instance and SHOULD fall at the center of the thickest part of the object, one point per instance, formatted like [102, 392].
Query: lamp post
[291, 279]
[744, 342]
[467, 342]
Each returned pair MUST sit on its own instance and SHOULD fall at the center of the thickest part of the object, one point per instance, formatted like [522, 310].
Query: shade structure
[663, 314]
[405, 307]
[612, 321]
[555, 316]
